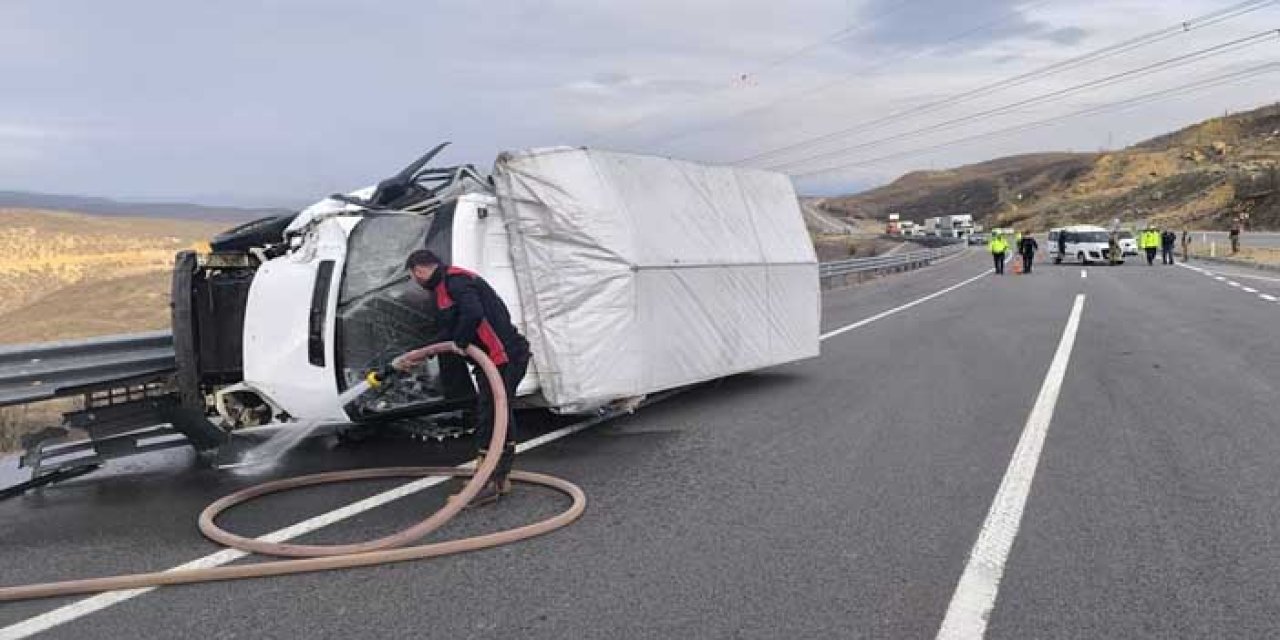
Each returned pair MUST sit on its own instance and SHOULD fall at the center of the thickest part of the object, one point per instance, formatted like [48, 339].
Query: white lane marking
[1233, 283]
[81, 608]
[884, 314]
[1084, 274]
[1250, 290]
[1267, 297]
[1252, 277]
[975, 595]
[1219, 278]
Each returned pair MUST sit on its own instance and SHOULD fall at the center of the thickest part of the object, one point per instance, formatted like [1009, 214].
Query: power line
[791, 98]
[830, 39]
[798, 53]
[1215, 81]
[1169, 63]
[1153, 37]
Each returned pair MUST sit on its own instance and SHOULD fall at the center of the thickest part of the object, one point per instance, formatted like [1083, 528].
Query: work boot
[490, 492]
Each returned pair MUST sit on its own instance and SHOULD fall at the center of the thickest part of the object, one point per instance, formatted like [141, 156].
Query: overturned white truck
[629, 274]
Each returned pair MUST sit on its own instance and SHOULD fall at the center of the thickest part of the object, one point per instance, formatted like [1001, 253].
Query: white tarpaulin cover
[639, 274]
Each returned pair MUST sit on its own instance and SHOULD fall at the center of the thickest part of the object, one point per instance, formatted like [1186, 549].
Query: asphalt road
[838, 497]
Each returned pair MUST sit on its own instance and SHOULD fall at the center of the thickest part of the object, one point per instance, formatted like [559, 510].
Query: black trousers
[1151, 255]
[999, 261]
[1166, 254]
[1027, 259]
[512, 373]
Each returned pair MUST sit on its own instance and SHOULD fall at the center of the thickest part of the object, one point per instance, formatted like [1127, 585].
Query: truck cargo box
[638, 273]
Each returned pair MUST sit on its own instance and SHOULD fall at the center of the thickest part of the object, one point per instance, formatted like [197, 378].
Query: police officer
[998, 247]
[470, 312]
[1027, 247]
[1168, 240]
[1150, 241]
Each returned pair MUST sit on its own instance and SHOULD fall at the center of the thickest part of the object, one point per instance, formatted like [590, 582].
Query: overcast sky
[278, 102]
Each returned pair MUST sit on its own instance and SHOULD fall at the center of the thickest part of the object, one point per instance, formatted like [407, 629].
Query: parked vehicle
[1128, 243]
[1084, 244]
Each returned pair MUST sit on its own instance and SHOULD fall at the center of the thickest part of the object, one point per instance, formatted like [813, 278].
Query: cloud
[905, 24]
[290, 99]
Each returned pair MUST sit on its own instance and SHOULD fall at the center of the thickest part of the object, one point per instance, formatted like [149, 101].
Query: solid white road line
[1233, 283]
[81, 608]
[884, 314]
[1251, 277]
[975, 595]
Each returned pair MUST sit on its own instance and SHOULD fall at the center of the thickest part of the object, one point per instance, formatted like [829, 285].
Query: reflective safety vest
[1150, 239]
[998, 245]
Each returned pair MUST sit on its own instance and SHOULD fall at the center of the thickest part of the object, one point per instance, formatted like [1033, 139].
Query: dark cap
[420, 258]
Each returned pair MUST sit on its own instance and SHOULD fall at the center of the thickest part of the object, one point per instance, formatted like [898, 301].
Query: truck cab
[314, 304]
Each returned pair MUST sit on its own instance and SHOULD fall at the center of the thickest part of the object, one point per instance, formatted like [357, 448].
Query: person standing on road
[1115, 254]
[470, 312]
[1168, 239]
[1150, 241]
[999, 247]
[1186, 245]
[1062, 245]
[1027, 247]
[1234, 235]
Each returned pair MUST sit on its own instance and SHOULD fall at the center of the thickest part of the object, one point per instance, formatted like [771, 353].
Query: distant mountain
[106, 207]
[1203, 176]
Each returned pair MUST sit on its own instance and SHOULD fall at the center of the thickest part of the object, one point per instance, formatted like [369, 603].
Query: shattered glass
[383, 313]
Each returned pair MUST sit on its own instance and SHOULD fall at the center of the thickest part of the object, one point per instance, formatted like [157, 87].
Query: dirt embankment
[66, 275]
[1205, 177]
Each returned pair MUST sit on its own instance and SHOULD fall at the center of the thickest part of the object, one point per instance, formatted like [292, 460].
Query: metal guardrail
[34, 372]
[841, 272]
[43, 371]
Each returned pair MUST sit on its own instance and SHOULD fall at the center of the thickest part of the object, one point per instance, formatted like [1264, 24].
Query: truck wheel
[258, 233]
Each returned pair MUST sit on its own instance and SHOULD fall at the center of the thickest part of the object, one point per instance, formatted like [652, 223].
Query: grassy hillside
[66, 275]
[1202, 176]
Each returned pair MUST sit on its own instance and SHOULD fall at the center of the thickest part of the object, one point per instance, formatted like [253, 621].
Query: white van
[1082, 243]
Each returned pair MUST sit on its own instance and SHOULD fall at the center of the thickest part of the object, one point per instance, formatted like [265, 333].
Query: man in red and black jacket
[470, 312]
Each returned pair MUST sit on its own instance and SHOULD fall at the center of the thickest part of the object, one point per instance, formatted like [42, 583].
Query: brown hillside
[1202, 176]
[65, 275]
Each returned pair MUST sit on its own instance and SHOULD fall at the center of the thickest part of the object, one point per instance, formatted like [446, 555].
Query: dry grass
[18, 421]
[67, 275]
[1261, 255]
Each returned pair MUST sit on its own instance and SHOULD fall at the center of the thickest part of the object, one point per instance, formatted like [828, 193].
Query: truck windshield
[1092, 236]
[382, 312]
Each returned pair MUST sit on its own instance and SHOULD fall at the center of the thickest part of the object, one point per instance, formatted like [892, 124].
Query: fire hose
[393, 548]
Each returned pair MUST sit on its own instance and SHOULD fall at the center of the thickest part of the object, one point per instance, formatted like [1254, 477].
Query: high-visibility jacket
[998, 244]
[1150, 239]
